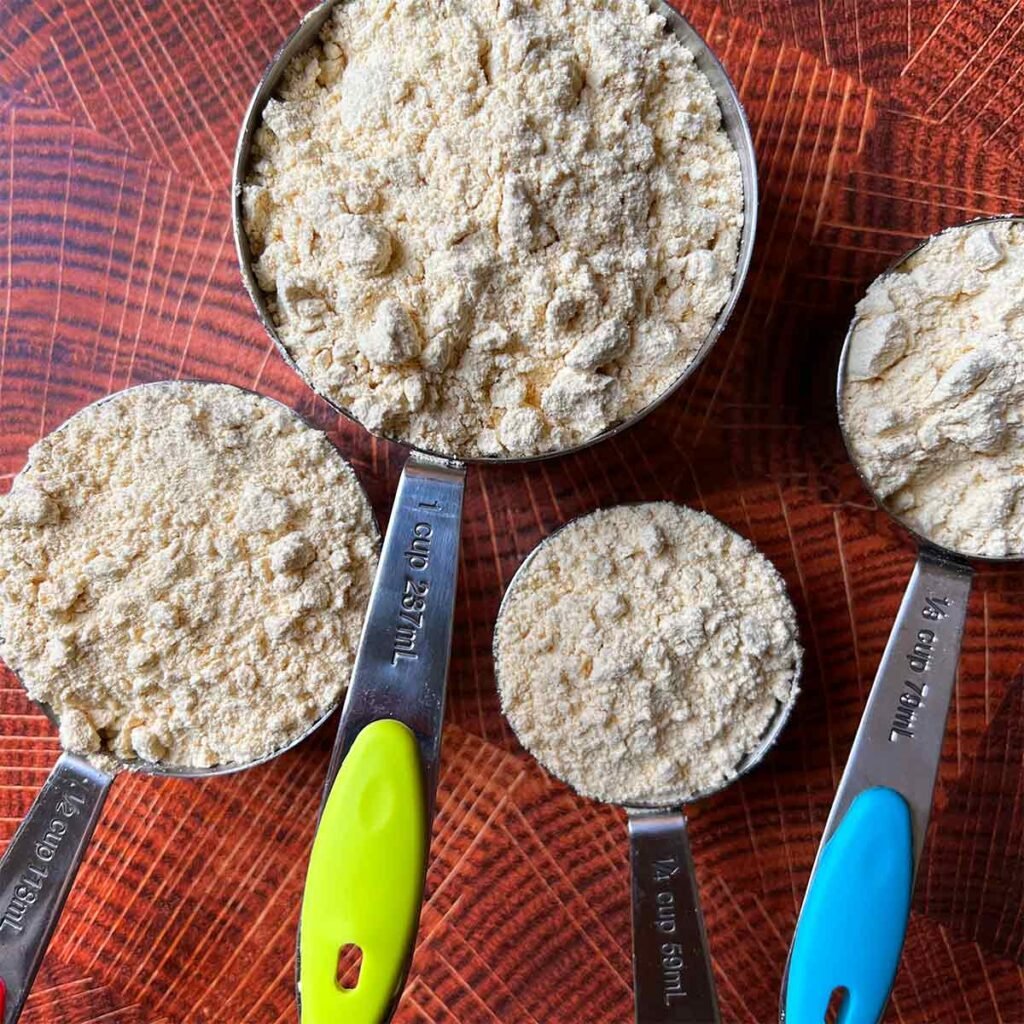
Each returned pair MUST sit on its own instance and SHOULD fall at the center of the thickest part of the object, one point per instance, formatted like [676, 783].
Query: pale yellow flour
[643, 652]
[493, 228]
[934, 400]
[184, 571]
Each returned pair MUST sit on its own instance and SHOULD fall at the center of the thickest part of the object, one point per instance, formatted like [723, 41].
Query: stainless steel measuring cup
[40, 862]
[672, 976]
[850, 932]
[402, 665]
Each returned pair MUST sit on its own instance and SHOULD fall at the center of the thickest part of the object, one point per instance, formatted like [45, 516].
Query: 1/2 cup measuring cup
[672, 976]
[40, 862]
[394, 710]
[850, 932]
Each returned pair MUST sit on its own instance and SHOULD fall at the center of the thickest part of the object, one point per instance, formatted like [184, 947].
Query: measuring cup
[672, 977]
[368, 860]
[854, 917]
[40, 862]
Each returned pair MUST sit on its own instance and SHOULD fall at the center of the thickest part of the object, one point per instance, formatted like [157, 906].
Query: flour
[643, 651]
[935, 389]
[184, 571]
[493, 228]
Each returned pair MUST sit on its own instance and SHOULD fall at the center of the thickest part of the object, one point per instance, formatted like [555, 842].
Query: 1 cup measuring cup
[672, 974]
[41, 860]
[367, 865]
[851, 928]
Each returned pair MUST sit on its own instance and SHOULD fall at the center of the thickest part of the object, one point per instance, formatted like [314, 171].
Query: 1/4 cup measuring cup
[850, 932]
[367, 865]
[40, 862]
[672, 976]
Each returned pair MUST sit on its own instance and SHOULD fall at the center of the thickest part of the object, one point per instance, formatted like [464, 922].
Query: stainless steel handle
[402, 664]
[38, 868]
[899, 740]
[864, 872]
[672, 979]
[400, 673]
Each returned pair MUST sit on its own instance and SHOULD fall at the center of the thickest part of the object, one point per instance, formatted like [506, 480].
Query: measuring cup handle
[365, 878]
[850, 932]
[367, 866]
[38, 868]
[672, 979]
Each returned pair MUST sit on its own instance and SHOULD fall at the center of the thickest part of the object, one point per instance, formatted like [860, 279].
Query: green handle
[365, 880]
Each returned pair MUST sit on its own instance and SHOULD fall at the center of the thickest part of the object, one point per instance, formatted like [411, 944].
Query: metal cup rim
[922, 540]
[734, 121]
[771, 731]
[112, 763]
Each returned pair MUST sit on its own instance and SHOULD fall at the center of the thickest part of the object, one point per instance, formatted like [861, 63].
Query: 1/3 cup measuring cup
[854, 917]
[40, 862]
[672, 975]
[388, 744]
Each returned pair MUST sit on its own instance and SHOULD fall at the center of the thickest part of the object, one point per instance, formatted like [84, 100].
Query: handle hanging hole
[350, 963]
[836, 1002]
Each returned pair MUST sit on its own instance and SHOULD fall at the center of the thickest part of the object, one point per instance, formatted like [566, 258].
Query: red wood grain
[875, 122]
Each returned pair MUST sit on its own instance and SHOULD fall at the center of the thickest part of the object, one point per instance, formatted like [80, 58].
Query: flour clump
[493, 228]
[934, 400]
[184, 571]
[643, 651]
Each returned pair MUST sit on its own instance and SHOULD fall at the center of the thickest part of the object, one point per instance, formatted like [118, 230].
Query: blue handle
[851, 929]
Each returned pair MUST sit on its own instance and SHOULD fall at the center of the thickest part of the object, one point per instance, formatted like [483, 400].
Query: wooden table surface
[876, 122]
